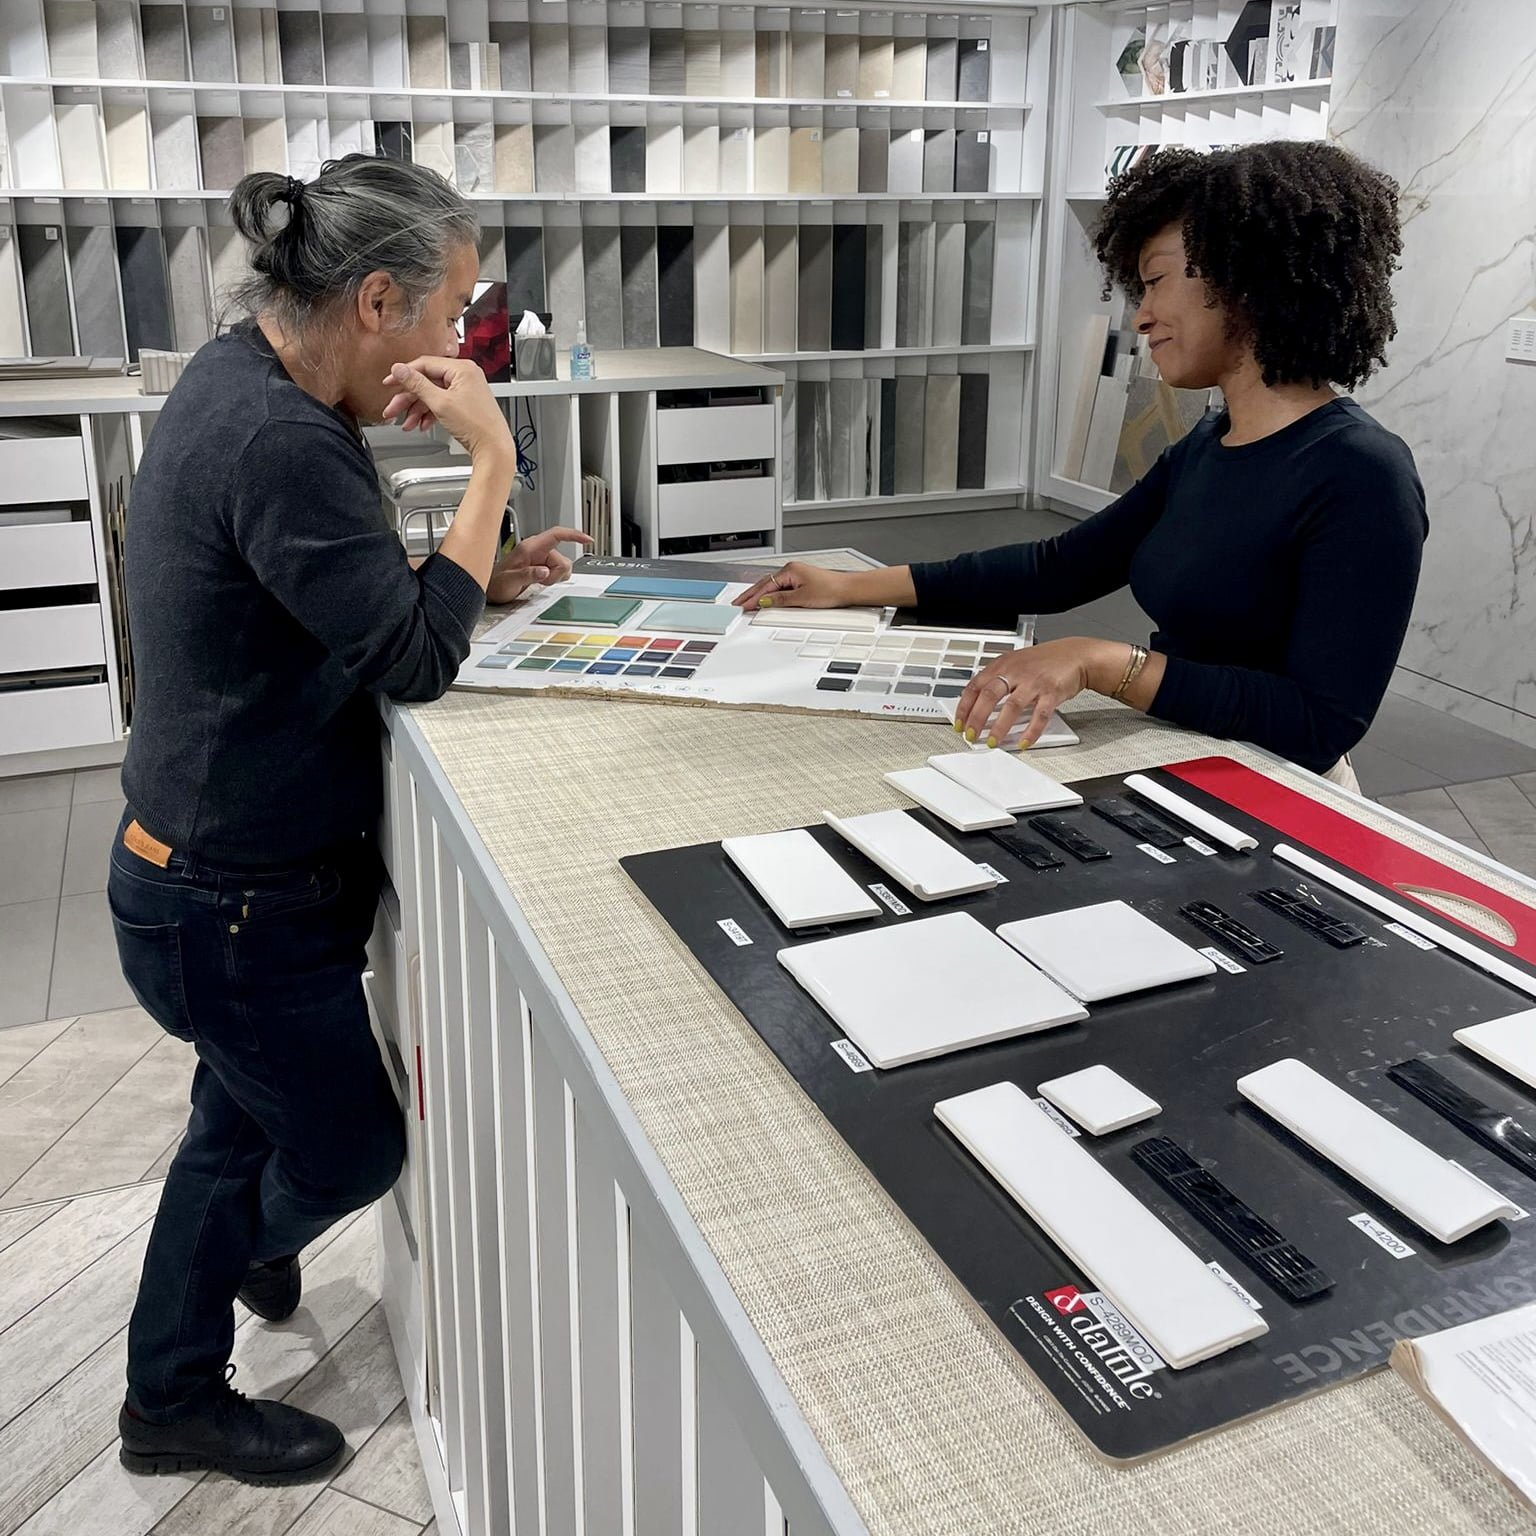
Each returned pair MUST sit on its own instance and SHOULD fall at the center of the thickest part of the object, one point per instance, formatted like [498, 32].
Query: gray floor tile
[91, 825]
[26, 958]
[1503, 817]
[86, 975]
[32, 854]
[1458, 751]
[1526, 784]
[1434, 808]
[99, 784]
[1382, 774]
[36, 792]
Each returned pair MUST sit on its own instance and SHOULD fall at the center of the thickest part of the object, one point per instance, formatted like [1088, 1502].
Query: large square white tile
[91, 825]
[86, 975]
[32, 854]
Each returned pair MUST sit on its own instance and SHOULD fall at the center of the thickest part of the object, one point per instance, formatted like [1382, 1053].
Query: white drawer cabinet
[714, 434]
[42, 469]
[48, 719]
[714, 506]
[46, 555]
[51, 639]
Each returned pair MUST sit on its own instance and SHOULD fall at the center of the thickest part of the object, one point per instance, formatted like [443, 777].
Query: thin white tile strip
[917, 859]
[1001, 778]
[801, 882]
[1202, 821]
[849, 620]
[892, 989]
[1105, 950]
[1099, 1099]
[1509, 1043]
[1164, 1289]
[1447, 1201]
[950, 801]
[1422, 925]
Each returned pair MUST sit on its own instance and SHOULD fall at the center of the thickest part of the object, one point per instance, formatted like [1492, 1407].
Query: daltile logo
[1104, 1331]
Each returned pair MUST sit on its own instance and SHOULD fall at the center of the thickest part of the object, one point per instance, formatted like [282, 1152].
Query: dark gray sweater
[270, 605]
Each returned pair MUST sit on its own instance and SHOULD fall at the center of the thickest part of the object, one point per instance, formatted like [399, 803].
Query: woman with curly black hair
[1277, 546]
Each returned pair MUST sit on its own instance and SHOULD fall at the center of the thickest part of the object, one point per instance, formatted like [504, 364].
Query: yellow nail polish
[765, 602]
[970, 735]
[1023, 746]
[992, 741]
[958, 727]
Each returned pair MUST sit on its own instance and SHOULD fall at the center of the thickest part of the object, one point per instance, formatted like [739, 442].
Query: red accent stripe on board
[1357, 847]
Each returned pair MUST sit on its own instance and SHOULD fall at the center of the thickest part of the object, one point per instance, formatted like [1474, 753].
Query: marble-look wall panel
[1441, 94]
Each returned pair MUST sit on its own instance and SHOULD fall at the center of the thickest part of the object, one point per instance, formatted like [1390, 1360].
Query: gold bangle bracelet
[1132, 672]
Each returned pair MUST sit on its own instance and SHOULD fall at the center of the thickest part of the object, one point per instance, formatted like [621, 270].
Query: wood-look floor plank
[357, 1387]
[336, 1514]
[45, 1450]
[56, 1250]
[16, 1224]
[121, 1134]
[42, 1100]
[21, 1042]
[57, 1334]
[387, 1469]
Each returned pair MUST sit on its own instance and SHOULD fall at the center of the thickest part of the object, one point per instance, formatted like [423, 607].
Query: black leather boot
[272, 1290]
[252, 1440]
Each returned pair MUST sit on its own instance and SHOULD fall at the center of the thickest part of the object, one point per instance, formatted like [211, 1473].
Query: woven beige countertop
[927, 1414]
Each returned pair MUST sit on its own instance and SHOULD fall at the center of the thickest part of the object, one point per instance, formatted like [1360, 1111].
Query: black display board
[1349, 1013]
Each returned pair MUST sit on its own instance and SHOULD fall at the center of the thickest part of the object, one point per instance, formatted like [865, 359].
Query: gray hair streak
[361, 214]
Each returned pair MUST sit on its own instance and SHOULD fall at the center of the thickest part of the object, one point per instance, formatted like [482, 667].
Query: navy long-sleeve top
[270, 606]
[1280, 575]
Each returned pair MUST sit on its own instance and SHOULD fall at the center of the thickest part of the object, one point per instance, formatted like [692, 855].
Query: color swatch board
[1349, 1013]
[890, 674]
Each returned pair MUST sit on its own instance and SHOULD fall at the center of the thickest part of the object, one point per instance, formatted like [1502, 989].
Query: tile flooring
[90, 1110]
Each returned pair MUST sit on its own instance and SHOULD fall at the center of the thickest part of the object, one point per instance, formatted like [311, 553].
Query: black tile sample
[805, 441]
[392, 140]
[975, 69]
[637, 256]
[45, 285]
[93, 275]
[626, 157]
[525, 271]
[146, 302]
[912, 285]
[298, 41]
[874, 282]
[674, 284]
[815, 287]
[971, 451]
[973, 160]
[849, 257]
[667, 72]
[976, 298]
[887, 477]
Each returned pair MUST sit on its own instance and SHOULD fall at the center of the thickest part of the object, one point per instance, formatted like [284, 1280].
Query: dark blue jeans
[294, 1120]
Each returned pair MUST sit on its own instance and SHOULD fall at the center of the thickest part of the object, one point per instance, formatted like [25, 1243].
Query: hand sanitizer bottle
[581, 354]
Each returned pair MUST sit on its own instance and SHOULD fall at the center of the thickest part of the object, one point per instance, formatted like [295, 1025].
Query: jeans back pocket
[150, 955]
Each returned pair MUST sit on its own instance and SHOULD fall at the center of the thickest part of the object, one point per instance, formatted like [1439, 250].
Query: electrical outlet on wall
[1521, 345]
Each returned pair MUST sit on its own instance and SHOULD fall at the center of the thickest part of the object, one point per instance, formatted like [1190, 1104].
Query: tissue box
[533, 357]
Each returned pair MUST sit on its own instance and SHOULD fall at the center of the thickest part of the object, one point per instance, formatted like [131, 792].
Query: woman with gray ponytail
[271, 606]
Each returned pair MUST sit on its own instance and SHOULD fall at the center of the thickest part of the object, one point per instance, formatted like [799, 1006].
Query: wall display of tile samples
[791, 183]
[1204, 74]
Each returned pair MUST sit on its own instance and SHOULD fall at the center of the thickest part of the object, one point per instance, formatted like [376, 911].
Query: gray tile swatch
[165, 42]
[887, 471]
[563, 281]
[493, 254]
[70, 28]
[939, 160]
[874, 283]
[213, 42]
[746, 292]
[603, 274]
[637, 257]
[971, 454]
[909, 71]
[904, 172]
[458, 66]
[589, 59]
[846, 409]
[674, 284]
[119, 53]
[973, 160]
[629, 61]
[943, 68]
[554, 158]
[815, 273]
[874, 437]
[701, 62]
[93, 275]
[948, 283]
[807, 64]
[511, 37]
[805, 439]
[146, 306]
[188, 277]
[668, 74]
[474, 157]
[525, 270]
[345, 35]
[300, 47]
[514, 157]
[593, 175]
[840, 160]
[250, 54]
[877, 64]
[426, 45]
[45, 286]
[551, 57]
[842, 64]
[874, 159]
[913, 286]
[911, 424]
[174, 136]
[976, 308]
[941, 432]
[221, 149]
[626, 157]
[780, 283]
[974, 69]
